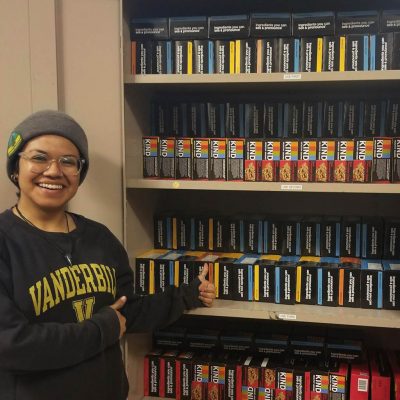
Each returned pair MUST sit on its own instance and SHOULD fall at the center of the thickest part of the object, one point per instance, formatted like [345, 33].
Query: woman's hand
[206, 288]
[122, 320]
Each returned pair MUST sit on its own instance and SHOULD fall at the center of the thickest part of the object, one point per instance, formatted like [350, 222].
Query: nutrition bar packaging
[264, 278]
[235, 158]
[391, 285]
[150, 157]
[201, 159]
[371, 284]
[167, 158]
[187, 28]
[270, 25]
[183, 158]
[362, 163]
[382, 163]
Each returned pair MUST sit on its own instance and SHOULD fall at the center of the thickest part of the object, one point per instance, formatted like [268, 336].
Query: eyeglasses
[69, 165]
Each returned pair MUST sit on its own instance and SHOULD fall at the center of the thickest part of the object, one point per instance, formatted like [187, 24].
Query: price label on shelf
[292, 77]
[287, 317]
[292, 187]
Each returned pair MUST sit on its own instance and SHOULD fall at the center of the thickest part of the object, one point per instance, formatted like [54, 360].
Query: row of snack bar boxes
[204, 376]
[326, 281]
[287, 160]
[365, 237]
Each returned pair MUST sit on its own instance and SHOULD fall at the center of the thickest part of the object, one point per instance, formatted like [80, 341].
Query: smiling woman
[66, 287]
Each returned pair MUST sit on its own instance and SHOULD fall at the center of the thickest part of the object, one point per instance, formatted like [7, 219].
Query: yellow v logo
[84, 308]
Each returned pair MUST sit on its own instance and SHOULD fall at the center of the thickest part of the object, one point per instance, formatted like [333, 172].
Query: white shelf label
[292, 77]
[287, 317]
[292, 187]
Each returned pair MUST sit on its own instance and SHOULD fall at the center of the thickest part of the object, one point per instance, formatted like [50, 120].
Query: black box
[307, 282]
[183, 57]
[151, 167]
[381, 47]
[396, 160]
[163, 230]
[349, 283]
[307, 346]
[188, 267]
[217, 160]
[330, 53]
[167, 158]
[290, 239]
[391, 249]
[142, 52]
[271, 160]
[215, 120]
[202, 339]
[161, 60]
[330, 237]
[177, 119]
[264, 279]
[201, 159]
[293, 120]
[203, 57]
[216, 384]
[350, 237]
[289, 55]
[172, 337]
[273, 120]
[285, 282]
[371, 284]
[152, 376]
[267, 25]
[312, 119]
[229, 27]
[396, 51]
[382, 161]
[184, 375]
[362, 163]
[196, 120]
[268, 55]
[164, 271]
[271, 345]
[243, 272]
[309, 237]
[168, 374]
[235, 233]
[332, 125]
[393, 117]
[254, 120]
[391, 285]
[374, 118]
[349, 22]
[313, 24]
[224, 275]
[372, 237]
[224, 57]
[184, 159]
[311, 54]
[187, 28]
[252, 235]
[273, 235]
[246, 56]
[390, 21]
[160, 119]
[352, 118]
[328, 283]
[345, 345]
[201, 232]
[235, 159]
[149, 28]
[234, 341]
[220, 233]
[232, 384]
[234, 120]
[357, 53]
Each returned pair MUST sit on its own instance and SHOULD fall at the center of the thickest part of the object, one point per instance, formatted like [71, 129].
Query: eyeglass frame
[80, 160]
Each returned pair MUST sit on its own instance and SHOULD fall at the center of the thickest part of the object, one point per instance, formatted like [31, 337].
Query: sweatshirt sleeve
[28, 347]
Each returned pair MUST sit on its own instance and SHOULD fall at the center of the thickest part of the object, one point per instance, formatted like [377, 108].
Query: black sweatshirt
[58, 337]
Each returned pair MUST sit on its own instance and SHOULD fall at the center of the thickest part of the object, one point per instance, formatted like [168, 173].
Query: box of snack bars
[252, 234]
[289, 160]
[360, 381]
[216, 383]
[235, 159]
[184, 159]
[264, 278]
[362, 163]
[310, 228]
[351, 237]
[242, 275]
[319, 381]
[290, 242]
[164, 271]
[382, 160]
[202, 339]
[285, 281]
[236, 342]
[326, 155]
[166, 157]
[224, 275]
[396, 160]
[184, 269]
[217, 160]
[328, 281]
[371, 284]
[284, 382]
[307, 280]
[235, 233]
[305, 345]
[172, 337]
[391, 248]
[349, 282]
[393, 360]
[372, 237]
[168, 374]
[220, 233]
[253, 160]
[184, 375]
[330, 236]
[271, 160]
[201, 376]
[343, 344]
[391, 284]
[272, 345]
[151, 167]
[343, 163]
[201, 158]
[338, 380]
[151, 375]
[307, 159]
[232, 384]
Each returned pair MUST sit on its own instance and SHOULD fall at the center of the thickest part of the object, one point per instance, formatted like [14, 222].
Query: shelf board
[257, 78]
[264, 186]
[301, 313]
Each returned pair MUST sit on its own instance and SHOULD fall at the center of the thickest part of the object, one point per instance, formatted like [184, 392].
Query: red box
[288, 161]
[216, 384]
[326, 150]
[152, 373]
[362, 163]
[253, 160]
[271, 159]
[307, 159]
[168, 374]
[380, 377]
[184, 375]
[394, 362]
[343, 164]
[359, 381]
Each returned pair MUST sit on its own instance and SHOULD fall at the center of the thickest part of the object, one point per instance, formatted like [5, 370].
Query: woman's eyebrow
[46, 153]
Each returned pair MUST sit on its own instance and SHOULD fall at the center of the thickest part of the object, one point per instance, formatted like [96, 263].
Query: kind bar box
[201, 376]
[215, 120]
[374, 117]
[330, 236]
[217, 160]
[264, 278]
[371, 284]
[167, 158]
[229, 27]
[183, 232]
[343, 163]
[351, 237]
[168, 374]
[293, 120]
[391, 249]
[183, 57]
[184, 375]
[319, 382]
[307, 159]
[186, 28]
[353, 114]
[381, 163]
[349, 283]
[187, 267]
[328, 283]
[342, 344]
[391, 285]
[216, 383]
[253, 160]
[396, 160]
[273, 234]
[271, 160]
[372, 238]
[307, 282]
[161, 60]
[285, 282]
[235, 159]
[152, 375]
[381, 51]
[234, 120]
[360, 381]
[201, 160]
[338, 381]
[220, 234]
[284, 382]
[311, 54]
[324, 165]
[235, 234]
[362, 163]
[289, 55]
[144, 270]
[164, 230]
[270, 25]
[288, 161]
[313, 24]
[150, 157]
[183, 158]
[359, 22]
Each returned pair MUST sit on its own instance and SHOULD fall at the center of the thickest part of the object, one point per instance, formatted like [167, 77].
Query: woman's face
[51, 189]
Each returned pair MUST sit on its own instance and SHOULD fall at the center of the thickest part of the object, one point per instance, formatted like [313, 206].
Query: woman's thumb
[204, 272]
[119, 303]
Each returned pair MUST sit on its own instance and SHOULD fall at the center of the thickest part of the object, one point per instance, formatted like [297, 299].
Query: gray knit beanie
[42, 123]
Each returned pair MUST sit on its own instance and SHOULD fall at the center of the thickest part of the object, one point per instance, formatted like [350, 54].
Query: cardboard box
[252, 235]
[237, 341]
[151, 167]
[328, 283]
[183, 232]
[165, 231]
[217, 160]
[390, 21]
[202, 339]
[289, 55]
[393, 360]
[271, 345]
[168, 374]
[229, 27]
[216, 384]
[160, 119]
[201, 159]
[167, 158]
[309, 237]
[396, 160]
[201, 224]
[330, 236]
[332, 126]
[391, 248]
[313, 24]
[223, 275]
[264, 278]
[374, 117]
[184, 375]
[371, 284]
[359, 22]
[246, 56]
[187, 267]
[267, 55]
[290, 239]
[235, 161]
[151, 373]
[307, 282]
[253, 160]
[372, 238]
[324, 165]
[220, 234]
[319, 382]
[312, 119]
[234, 120]
[284, 383]
[382, 163]
[380, 376]
[343, 348]
[273, 236]
[201, 376]
[187, 28]
[288, 161]
[161, 60]
[243, 281]
[164, 271]
[293, 120]
[271, 160]
[285, 282]
[351, 237]
[196, 119]
[353, 115]
[172, 337]
[357, 52]
[203, 57]
[273, 120]
[392, 117]
[381, 51]
[183, 161]
[391, 285]
[149, 28]
[362, 163]
[182, 52]
[270, 25]
[359, 381]
[343, 164]
[330, 53]
[349, 283]
[224, 57]
[141, 57]
[254, 120]
[311, 54]
[232, 383]
[338, 381]
[215, 120]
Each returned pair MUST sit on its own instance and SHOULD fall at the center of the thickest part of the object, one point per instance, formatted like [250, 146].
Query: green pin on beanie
[42, 123]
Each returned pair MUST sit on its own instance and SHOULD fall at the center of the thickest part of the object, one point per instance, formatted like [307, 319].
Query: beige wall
[66, 54]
